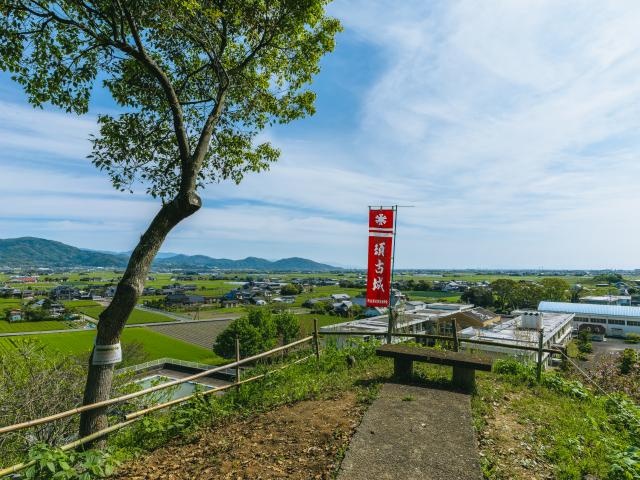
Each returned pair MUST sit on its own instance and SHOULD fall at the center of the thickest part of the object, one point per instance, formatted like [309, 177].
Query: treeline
[505, 294]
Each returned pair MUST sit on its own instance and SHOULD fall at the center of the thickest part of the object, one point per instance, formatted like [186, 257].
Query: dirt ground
[301, 441]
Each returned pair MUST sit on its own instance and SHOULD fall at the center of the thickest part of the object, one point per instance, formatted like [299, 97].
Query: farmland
[7, 327]
[136, 317]
[154, 344]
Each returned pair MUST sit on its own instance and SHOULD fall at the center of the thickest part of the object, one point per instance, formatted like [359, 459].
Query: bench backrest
[440, 357]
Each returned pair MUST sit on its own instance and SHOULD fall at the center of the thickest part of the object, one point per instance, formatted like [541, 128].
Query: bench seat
[464, 364]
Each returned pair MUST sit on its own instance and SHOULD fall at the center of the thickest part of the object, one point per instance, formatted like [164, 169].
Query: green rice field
[155, 344]
[14, 327]
[137, 316]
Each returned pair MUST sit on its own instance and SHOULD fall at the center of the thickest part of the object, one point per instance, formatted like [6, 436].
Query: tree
[256, 331]
[291, 289]
[527, 295]
[197, 81]
[478, 296]
[287, 327]
[555, 289]
[504, 289]
[576, 290]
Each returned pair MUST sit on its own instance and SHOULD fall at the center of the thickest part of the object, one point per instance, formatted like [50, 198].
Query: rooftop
[509, 331]
[590, 309]
[379, 325]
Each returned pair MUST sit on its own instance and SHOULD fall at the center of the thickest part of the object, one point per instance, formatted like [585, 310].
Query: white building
[607, 300]
[618, 320]
[522, 330]
[409, 322]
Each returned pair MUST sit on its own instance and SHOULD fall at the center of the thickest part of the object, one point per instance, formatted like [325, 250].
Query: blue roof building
[617, 319]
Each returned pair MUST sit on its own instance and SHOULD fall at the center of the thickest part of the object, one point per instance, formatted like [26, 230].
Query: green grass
[80, 303]
[14, 327]
[155, 344]
[136, 317]
[573, 435]
[306, 322]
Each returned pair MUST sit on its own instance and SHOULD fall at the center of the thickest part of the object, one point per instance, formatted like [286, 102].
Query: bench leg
[464, 378]
[402, 368]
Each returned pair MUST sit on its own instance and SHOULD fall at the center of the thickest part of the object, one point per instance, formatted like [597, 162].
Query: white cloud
[511, 126]
[25, 129]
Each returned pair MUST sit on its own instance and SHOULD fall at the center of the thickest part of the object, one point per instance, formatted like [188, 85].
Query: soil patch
[299, 441]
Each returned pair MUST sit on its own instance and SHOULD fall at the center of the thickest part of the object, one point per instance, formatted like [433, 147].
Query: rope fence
[135, 416]
[314, 339]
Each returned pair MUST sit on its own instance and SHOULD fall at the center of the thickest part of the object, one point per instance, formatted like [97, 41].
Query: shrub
[628, 361]
[625, 465]
[585, 347]
[633, 338]
[55, 463]
[510, 366]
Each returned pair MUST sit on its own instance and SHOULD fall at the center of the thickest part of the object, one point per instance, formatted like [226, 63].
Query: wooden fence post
[539, 363]
[316, 340]
[456, 343]
[237, 360]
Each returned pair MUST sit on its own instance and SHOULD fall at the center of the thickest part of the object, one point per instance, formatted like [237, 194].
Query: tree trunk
[114, 317]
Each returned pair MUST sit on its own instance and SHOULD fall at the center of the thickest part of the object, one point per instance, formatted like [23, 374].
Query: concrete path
[414, 433]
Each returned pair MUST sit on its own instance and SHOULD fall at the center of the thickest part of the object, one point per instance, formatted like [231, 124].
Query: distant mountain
[38, 252]
[249, 263]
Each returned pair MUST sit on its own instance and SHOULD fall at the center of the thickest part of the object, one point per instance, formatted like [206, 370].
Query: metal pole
[316, 340]
[456, 343]
[237, 360]
[391, 326]
[539, 364]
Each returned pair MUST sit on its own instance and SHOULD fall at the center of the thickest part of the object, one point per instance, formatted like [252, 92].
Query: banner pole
[391, 326]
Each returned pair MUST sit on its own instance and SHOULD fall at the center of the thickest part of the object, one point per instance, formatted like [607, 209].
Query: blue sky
[512, 127]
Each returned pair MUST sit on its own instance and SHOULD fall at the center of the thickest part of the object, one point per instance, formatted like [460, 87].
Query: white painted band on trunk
[107, 354]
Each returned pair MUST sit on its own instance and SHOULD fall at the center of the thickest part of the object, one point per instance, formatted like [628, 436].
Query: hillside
[39, 252]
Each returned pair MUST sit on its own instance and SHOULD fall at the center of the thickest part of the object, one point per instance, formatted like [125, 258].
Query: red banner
[381, 220]
[380, 253]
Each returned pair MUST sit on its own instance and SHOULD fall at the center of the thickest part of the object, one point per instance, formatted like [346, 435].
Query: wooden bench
[464, 364]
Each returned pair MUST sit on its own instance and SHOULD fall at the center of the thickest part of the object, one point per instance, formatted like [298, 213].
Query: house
[15, 316]
[64, 292]
[259, 302]
[312, 301]
[475, 317]
[56, 309]
[340, 297]
[24, 279]
[227, 303]
[343, 307]
[183, 299]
